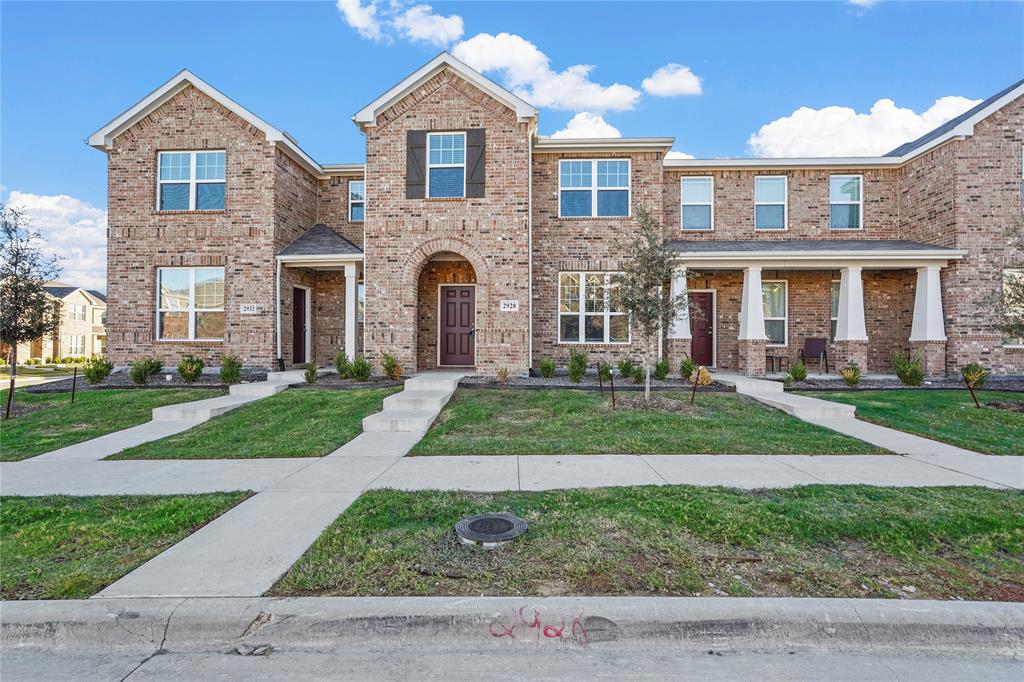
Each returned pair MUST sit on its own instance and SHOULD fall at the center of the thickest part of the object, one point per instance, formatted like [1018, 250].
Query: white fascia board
[344, 168]
[321, 257]
[819, 259]
[824, 162]
[367, 116]
[551, 145]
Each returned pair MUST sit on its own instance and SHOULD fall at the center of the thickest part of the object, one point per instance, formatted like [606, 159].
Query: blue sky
[68, 68]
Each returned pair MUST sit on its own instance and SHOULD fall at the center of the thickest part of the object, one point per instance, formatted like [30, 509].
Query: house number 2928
[509, 306]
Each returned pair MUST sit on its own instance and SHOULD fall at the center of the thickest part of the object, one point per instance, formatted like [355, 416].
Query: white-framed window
[590, 188]
[697, 203]
[99, 316]
[356, 200]
[1013, 277]
[190, 304]
[835, 309]
[588, 310]
[76, 311]
[846, 202]
[76, 345]
[360, 300]
[190, 181]
[446, 165]
[771, 211]
[775, 295]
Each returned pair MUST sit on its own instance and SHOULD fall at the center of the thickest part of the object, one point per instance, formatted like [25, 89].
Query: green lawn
[295, 423]
[72, 547]
[94, 413]
[558, 422]
[948, 416]
[812, 541]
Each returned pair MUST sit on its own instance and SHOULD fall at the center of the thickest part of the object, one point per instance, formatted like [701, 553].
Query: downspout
[277, 314]
[529, 260]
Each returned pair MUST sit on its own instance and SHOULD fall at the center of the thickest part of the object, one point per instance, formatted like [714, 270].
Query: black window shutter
[415, 164]
[475, 162]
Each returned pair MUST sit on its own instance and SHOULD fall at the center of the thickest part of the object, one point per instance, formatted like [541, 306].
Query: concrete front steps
[202, 410]
[415, 408]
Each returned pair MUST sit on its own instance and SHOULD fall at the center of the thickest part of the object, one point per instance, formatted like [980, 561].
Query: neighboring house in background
[466, 239]
[82, 328]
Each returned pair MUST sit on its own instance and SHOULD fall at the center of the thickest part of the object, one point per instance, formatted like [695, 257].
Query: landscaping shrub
[787, 379]
[144, 368]
[604, 371]
[687, 367]
[48, 361]
[190, 368]
[974, 374]
[626, 368]
[361, 369]
[97, 369]
[231, 369]
[343, 365]
[798, 371]
[908, 369]
[704, 377]
[638, 375]
[661, 369]
[547, 368]
[310, 374]
[389, 365]
[850, 374]
[501, 375]
[577, 364]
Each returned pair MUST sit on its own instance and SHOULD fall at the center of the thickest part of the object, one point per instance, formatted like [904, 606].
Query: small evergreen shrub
[343, 365]
[787, 379]
[638, 375]
[908, 369]
[798, 371]
[850, 374]
[577, 364]
[190, 368]
[604, 371]
[231, 369]
[974, 374]
[661, 369]
[361, 369]
[389, 365]
[547, 368]
[310, 373]
[502, 374]
[687, 367]
[626, 368]
[144, 368]
[97, 369]
[64, 361]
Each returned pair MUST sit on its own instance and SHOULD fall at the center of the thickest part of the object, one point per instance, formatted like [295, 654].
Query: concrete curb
[976, 629]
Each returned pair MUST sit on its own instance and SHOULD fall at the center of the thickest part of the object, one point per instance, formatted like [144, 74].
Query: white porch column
[850, 325]
[680, 327]
[928, 324]
[752, 306]
[351, 303]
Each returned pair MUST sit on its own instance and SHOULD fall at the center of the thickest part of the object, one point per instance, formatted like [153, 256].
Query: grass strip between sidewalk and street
[295, 423]
[72, 547]
[812, 541]
[567, 422]
[947, 416]
[53, 422]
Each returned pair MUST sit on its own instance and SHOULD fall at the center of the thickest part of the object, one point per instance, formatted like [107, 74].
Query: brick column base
[933, 356]
[752, 357]
[852, 353]
[675, 349]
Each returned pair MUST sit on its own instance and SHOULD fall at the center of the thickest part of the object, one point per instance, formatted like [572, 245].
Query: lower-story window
[1013, 302]
[776, 303]
[835, 309]
[588, 311]
[76, 346]
[190, 304]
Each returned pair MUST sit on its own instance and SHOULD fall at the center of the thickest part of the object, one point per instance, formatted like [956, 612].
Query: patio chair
[815, 348]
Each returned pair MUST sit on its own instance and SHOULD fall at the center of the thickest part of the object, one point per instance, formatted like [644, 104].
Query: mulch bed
[18, 409]
[659, 404]
[837, 384]
[589, 383]
[121, 379]
[1009, 405]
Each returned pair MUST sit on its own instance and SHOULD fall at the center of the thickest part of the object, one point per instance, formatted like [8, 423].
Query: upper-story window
[593, 188]
[191, 181]
[76, 311]
[356, 200]
[190, 304]
[446, 165]
[99, 316]
[845, 202]
[770, 209]
[697, 209]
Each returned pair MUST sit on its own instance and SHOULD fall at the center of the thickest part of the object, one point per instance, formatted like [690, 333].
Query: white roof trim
[367, 116]
[822, 259]
[103, 138]
[316, 257]
[550, 144]
[821, 162]
[344, 168]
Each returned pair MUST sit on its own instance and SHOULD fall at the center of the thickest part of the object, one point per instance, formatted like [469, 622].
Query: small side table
[775, 362]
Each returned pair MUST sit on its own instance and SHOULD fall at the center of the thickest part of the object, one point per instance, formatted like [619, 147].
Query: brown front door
[457, 328]
[298, 325]
[702, 328]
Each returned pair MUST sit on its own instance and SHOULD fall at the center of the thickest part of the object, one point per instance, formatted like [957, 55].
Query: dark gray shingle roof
[320, 240]
[801, 245]
[98, 294]
[950, 124]
[60, 292]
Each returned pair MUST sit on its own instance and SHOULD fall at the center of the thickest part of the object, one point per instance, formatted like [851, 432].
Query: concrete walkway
[837, 417]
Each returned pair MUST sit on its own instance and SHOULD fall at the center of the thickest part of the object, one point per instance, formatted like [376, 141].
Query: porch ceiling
[810, 254]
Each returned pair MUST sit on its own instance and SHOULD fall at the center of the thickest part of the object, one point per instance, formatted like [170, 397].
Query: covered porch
[763, 303]
[318, 286]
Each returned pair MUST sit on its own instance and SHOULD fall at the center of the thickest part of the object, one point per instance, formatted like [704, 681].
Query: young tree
[26, 311]
[641, 291]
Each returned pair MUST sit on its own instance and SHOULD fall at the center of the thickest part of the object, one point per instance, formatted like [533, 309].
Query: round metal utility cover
[490, 530]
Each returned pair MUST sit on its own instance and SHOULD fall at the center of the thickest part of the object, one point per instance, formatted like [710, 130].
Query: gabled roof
[320, 240]
[367, 116]
[62, 291]
[98, 294]
[103, 138]
[962, 124]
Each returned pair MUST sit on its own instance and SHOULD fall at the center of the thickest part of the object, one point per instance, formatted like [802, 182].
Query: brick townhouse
[466, 239]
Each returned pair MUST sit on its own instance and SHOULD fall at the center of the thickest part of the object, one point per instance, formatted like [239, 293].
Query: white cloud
[419, 23]
[363, 18]
[673, 154]
[527, 72]
[866, 4]
[73, 229]
[671, 80]
[586, 124]
[841, 131]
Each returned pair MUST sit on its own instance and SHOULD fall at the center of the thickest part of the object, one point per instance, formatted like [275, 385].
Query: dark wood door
[457, 328]
[298, 325]
[702, 328]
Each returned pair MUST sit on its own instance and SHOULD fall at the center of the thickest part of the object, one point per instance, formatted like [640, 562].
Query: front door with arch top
[457, 326]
